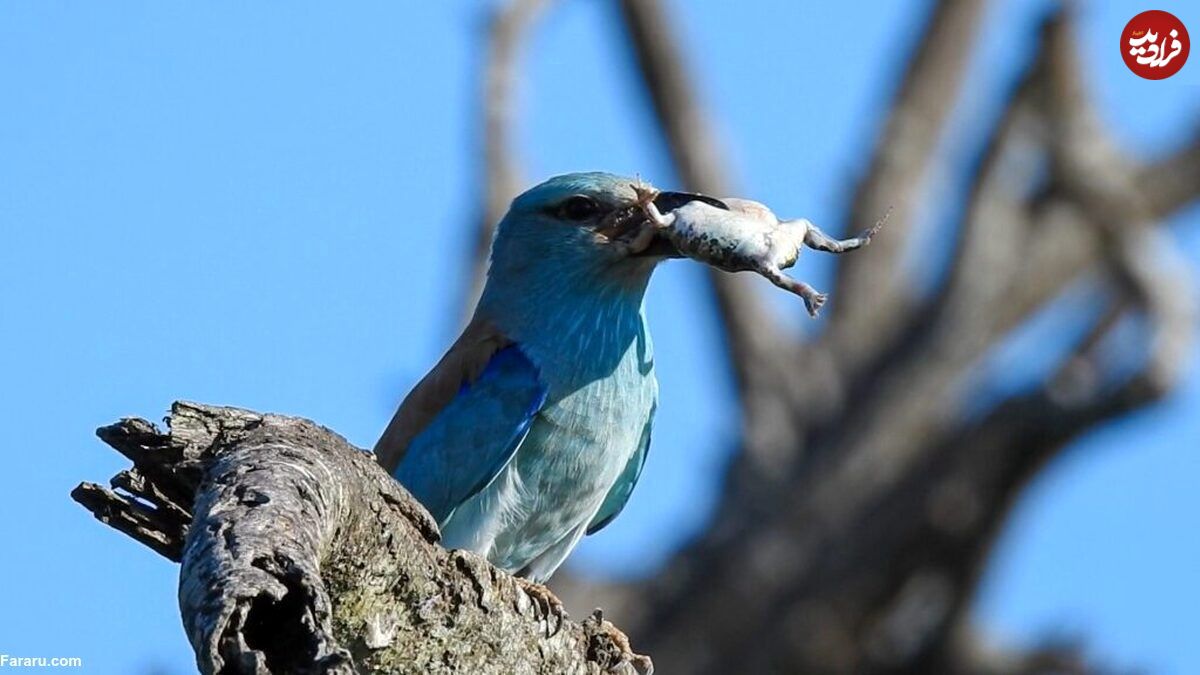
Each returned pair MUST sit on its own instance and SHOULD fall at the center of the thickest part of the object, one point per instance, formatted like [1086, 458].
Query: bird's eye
[579, 207]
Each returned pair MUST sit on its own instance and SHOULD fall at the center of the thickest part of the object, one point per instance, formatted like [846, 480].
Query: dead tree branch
[904, 158]
[1170, 184]
[299, 554]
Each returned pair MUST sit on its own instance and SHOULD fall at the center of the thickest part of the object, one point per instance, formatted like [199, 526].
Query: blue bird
[532, 430]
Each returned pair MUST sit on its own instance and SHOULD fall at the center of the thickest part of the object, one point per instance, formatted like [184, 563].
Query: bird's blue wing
[469, 441]
[619, 493]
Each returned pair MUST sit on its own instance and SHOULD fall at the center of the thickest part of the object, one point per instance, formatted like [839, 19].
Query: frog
[745, 237]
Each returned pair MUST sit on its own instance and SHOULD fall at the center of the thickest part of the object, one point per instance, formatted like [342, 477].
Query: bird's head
[582, 221]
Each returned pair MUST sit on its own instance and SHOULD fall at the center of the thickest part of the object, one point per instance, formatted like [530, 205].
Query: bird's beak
[669, 201]
[661, 247]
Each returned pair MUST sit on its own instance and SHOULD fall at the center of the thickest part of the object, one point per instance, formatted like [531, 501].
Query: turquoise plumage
[501, 403]
[533, 429]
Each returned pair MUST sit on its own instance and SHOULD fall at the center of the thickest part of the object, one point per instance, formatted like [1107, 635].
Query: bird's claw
[546, 605]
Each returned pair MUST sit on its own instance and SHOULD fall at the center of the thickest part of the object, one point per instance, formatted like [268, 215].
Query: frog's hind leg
[814, 238]
[813, 299]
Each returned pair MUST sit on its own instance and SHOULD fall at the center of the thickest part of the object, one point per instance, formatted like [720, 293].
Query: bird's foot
[640, 662]
[546, 605]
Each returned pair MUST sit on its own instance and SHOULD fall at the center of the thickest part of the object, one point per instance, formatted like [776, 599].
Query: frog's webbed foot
[866, 235]
[813, 299]
[546, 605]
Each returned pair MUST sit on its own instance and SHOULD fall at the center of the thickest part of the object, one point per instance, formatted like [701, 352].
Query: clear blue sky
[265, 206]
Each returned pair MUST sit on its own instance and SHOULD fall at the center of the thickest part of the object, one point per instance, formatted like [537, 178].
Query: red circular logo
[1155, 44]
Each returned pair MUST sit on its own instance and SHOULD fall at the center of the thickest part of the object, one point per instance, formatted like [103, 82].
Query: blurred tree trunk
[862, 502]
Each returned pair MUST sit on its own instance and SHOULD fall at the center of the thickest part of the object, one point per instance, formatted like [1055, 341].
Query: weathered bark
[299, 554]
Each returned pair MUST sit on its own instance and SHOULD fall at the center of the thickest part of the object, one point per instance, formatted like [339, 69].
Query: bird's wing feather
[462, 363]
[472, 438]
[619, 493]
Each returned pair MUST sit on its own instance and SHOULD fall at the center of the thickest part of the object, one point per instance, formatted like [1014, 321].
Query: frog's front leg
[813, 299]
[655, 220]
[645, 200]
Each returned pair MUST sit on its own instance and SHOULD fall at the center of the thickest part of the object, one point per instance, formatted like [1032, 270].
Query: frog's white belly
[729, 240]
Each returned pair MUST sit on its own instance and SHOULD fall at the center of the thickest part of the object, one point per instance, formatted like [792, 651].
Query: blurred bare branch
[752, 336]
[904, 159]
[506, 36]
[1170, 184]
[689, 135]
